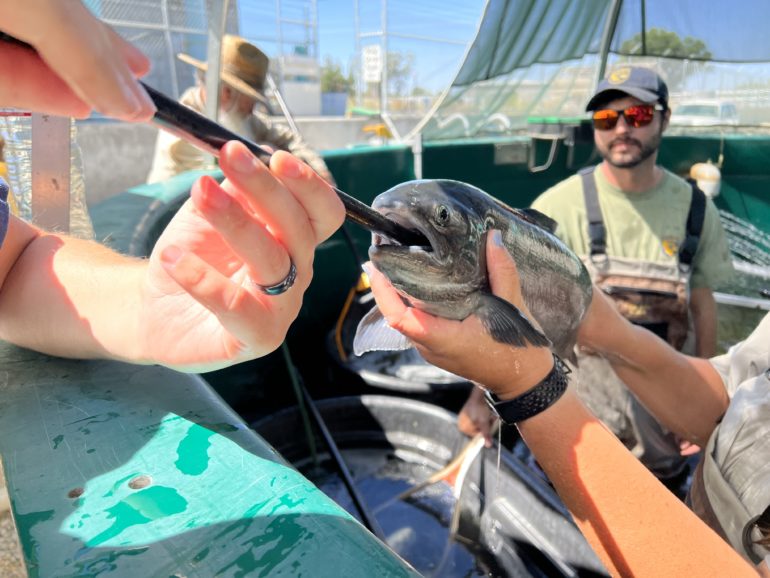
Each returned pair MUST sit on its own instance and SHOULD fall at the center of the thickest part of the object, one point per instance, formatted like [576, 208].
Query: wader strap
[695, 219]
[597, 234]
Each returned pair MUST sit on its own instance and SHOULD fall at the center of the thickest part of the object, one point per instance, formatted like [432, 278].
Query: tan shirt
[174, 155]
[647, 226]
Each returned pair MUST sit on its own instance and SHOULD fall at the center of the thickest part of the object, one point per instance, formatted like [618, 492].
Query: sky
[444, 27]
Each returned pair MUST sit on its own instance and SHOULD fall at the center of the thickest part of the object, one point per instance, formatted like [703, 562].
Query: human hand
[201, 309]
[477, 417]
[465, 348]
[79, 63]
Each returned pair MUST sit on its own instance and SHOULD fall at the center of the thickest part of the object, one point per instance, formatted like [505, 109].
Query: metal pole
[359, 60]
[609, 31]
[384, 73]
[50, 166]
[170, 50]
[217, 16]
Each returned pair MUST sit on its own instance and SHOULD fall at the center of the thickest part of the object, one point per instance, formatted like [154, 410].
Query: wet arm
[703, 308]
[634, 524]
[685, 393]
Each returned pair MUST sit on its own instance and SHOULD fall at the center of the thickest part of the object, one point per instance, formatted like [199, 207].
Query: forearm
[72, 298]
[635, 525]
[684, 393]
[703, 308]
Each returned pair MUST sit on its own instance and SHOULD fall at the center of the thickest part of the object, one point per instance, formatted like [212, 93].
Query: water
[750, 250]
[748, 244]
[416, 528]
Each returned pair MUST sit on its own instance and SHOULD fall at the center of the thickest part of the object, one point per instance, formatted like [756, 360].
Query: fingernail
[171, 255]
[368, 268]
[242, 160]
[497, 238]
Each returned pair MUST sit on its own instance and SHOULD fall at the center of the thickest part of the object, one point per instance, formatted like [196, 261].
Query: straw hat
[243, 66]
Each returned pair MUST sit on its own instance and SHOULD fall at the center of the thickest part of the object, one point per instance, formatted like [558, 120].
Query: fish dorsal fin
[507, 324]
[537, 218]
[374, 334]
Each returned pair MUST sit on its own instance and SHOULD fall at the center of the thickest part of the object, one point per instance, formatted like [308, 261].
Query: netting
[162, 29]
[542, 58]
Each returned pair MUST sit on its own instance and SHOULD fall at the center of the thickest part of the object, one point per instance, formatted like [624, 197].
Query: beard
[627, 160]
[236, 122]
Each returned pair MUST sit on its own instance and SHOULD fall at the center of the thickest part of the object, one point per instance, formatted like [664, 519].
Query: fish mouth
[381, 241]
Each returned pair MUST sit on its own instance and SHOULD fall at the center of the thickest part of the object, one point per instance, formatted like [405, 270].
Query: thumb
[503, 274]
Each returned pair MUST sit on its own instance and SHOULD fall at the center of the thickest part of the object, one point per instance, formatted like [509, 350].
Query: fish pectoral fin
[374, 334]
[507, 324]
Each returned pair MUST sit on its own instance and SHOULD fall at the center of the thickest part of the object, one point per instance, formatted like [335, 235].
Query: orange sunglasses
[636, 116]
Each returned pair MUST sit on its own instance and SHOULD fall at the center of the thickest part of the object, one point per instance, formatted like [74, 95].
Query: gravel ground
[11, 565]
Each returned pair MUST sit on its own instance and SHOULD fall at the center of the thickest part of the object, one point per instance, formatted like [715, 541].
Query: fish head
[452, 268]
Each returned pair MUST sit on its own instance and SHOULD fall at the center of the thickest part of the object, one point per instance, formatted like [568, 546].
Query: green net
[543, 58]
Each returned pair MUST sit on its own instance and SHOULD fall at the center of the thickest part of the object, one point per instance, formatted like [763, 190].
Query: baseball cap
[639, 82]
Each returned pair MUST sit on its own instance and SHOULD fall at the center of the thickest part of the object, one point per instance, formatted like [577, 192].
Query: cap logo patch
[619, 76]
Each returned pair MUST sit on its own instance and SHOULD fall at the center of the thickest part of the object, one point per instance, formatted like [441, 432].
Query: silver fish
[449, 277]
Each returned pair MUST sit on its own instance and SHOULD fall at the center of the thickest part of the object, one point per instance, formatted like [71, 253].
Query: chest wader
[650, 294]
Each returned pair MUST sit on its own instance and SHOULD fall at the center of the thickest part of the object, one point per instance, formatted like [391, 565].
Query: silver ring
[281, 287]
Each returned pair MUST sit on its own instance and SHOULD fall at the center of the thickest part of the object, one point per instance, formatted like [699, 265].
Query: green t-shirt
[648, 226]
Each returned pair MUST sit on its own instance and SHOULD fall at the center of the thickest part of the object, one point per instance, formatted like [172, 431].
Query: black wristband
[534, 400]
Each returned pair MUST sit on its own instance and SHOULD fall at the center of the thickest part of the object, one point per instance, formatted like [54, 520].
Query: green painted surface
[140, 471]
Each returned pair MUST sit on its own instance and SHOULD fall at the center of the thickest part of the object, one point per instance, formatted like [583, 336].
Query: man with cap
[651, 240]
[243, 77]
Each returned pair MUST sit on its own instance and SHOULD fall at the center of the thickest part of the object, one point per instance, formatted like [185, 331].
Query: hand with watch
[634, 524]
[520, 381]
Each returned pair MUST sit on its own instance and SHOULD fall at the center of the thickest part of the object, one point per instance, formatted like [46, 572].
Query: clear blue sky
[454, 21]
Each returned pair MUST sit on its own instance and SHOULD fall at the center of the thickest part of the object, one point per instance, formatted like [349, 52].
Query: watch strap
[535, 400]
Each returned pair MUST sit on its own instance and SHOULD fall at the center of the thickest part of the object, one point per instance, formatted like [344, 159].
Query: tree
[667, 44]
[400, 72]
[333, 79]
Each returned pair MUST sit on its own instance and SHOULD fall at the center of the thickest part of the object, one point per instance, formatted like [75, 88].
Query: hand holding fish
[78, 64]
[465, 347]
[202, 306]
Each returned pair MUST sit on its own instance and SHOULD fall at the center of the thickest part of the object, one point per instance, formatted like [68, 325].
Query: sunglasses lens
[638, 116]
[605, 119]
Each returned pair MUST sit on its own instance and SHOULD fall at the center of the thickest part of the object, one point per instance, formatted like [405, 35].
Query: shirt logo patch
[670, 246]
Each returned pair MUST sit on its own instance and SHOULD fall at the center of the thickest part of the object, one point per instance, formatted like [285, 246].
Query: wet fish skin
[450, 279]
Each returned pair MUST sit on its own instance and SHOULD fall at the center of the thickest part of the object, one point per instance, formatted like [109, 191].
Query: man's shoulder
[560, 195]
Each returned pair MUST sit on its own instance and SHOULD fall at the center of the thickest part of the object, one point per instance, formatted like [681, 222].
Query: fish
[448, 276]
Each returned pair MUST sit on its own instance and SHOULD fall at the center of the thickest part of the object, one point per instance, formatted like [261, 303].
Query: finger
[35, 87]
[503, 275]
[322, 205]
[94, 66]
[275, 206]
[234, 306]
[267, 260]
[136, 60]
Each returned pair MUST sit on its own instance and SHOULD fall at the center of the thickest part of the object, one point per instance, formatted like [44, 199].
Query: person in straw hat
[243, 77]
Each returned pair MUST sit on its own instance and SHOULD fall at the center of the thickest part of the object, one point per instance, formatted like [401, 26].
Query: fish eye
[489, 223]
[442, 215]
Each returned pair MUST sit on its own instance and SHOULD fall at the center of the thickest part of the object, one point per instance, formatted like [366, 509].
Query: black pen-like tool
[211, 136]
